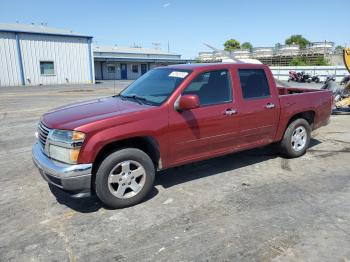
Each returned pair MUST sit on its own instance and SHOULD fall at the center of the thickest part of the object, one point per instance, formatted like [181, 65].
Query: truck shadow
[218, 165]
[180, 175]
[89, 204]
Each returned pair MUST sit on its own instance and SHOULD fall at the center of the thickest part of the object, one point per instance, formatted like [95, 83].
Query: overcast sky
[187, 24]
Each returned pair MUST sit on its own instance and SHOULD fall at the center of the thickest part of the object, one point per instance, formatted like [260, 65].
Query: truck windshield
[156, 85]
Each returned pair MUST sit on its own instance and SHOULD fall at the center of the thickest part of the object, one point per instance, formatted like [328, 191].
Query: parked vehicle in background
[339, 92]
[345, 80]
[302, 77]
[169, 117]
[315, 79]
[293, 76]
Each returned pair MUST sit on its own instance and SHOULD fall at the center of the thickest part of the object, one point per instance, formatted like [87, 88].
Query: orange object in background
[346, 56]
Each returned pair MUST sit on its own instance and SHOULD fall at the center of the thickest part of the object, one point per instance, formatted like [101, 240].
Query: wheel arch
[147, 144]
[308, 115]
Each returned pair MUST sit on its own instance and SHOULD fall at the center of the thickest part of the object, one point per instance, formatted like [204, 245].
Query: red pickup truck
[169, 117]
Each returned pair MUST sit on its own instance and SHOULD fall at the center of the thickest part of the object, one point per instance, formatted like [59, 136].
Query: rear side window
[212, 87]
[253, 83]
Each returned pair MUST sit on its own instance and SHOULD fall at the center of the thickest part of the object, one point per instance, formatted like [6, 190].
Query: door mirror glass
[187, 102]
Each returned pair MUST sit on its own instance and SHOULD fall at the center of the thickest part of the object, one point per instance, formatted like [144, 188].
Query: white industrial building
[114, 62]
[220, 57]
[38, 55]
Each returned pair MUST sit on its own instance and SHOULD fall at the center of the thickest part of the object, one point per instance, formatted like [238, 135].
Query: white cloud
[166, 5]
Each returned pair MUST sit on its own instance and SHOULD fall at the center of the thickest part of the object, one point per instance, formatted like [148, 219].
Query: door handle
[270, 105]
[230, 112]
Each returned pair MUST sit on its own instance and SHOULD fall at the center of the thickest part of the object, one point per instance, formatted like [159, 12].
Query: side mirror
[187, 102]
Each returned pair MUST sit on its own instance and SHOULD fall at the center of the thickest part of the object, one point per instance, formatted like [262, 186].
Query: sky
[186, 25]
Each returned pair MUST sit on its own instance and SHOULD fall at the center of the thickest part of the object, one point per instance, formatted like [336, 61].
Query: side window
[254, 83]
[212, 87]
[135, 68]
[111, 69]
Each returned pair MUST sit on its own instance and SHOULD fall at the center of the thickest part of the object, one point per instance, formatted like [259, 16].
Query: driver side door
[210, 129]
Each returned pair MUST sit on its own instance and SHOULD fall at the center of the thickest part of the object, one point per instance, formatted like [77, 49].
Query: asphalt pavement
[249, 206]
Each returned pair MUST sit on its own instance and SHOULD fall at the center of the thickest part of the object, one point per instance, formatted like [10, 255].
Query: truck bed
[296, 100]
[294, 90]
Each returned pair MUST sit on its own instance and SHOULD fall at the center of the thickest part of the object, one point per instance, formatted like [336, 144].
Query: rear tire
[296, 138]
[124, 178]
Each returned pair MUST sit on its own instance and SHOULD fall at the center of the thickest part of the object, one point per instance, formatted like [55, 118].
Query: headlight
[66, 155]
[65, 145]
[68, 136]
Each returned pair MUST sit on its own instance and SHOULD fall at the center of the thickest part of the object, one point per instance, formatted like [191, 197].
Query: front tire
[124, 178]
[296, 138]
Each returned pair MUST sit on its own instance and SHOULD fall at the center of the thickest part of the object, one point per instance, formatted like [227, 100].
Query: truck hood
[78, 114]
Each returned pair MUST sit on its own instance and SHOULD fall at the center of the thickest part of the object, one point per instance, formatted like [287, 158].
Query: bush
[302, 61]
[298, 61]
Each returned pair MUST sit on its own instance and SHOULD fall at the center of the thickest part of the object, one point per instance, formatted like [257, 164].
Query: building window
[254, 83]
[135, 68]
[47, 68]
[111, 69]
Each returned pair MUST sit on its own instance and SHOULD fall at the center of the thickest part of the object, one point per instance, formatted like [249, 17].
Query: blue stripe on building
[20, 61]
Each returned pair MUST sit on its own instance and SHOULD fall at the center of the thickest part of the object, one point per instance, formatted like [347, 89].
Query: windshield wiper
[138, 99]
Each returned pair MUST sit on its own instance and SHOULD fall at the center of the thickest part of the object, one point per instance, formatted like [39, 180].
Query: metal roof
[141, 60]
[38, 29]
[130, 50]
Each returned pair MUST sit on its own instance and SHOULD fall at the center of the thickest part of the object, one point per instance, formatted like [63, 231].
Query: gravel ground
[250, 206]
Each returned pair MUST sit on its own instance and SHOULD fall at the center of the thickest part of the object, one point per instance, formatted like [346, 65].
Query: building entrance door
[143, 68]
[124, 73]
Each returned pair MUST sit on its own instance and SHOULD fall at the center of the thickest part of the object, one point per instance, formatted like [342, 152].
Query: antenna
[223, 52]
[168, 47]
[136, 46]
[114, 85]
[156, 45]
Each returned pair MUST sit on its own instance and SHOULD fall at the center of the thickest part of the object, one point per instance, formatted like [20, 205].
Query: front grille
[43, 132]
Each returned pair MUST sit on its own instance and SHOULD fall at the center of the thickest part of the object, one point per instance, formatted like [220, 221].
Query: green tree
[339, 49]
[278, 46]
[231, 45]
[297, 40]
[247, 45]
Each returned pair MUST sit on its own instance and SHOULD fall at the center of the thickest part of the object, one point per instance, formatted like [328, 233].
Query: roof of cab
[211, 65]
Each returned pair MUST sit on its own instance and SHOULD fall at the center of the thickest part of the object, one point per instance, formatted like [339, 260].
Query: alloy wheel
[126, 179]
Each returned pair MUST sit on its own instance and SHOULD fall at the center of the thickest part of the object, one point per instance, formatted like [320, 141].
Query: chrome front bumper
[75, 178]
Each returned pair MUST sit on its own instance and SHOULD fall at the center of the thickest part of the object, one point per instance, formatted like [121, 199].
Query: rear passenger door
[258, 107]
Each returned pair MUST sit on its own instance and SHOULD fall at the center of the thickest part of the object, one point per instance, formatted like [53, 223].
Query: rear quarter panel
[318, 101]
